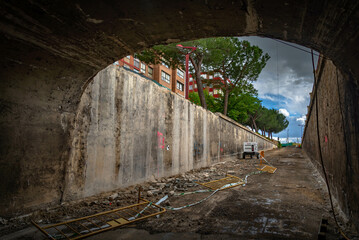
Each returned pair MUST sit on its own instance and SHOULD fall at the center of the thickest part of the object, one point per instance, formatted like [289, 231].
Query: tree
[237, 61]
[213, 104]
[242, 103]
[271, 121]
[254, 116]
[175, 57]
[280, 124]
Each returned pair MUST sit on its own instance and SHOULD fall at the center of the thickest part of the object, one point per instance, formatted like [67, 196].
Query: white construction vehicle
[250, 149]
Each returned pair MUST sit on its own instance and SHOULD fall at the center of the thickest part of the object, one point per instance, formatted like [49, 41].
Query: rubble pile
[153, 190]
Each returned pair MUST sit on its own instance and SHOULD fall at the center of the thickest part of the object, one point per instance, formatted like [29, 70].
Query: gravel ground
[288, 204]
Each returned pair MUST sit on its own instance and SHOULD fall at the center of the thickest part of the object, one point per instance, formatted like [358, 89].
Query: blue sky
[285, 82]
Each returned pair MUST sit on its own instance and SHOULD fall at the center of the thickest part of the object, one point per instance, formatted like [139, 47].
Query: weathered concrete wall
[50, 50]
[129, 129]
[338, 105]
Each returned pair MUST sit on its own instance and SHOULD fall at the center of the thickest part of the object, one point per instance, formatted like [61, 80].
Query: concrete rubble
[287, 206]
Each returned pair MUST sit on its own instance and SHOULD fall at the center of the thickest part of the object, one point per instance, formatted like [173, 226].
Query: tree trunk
[200, 89]
[225, 107]
[198, 68]
[255, 125]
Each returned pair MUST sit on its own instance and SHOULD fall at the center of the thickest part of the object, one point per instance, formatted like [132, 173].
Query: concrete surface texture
[51, 50]
[288, 204]
[129, 130]
[338, 112]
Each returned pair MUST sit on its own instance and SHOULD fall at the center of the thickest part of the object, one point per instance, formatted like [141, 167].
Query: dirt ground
[288, 204]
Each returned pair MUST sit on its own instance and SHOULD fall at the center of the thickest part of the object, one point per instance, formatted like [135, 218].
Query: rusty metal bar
[83, 225]
[61, 232]
[216, 184]
[42, 230]
[98, 214]
[106, 219]
[72, 229]
[92, 222]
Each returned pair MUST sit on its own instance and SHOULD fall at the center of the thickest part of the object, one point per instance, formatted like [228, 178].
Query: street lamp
[187, 60]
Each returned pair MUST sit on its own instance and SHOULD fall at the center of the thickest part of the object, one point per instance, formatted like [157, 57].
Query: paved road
[288, 204]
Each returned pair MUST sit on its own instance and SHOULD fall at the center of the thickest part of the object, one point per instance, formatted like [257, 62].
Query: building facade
[212, 89]
[171, 78]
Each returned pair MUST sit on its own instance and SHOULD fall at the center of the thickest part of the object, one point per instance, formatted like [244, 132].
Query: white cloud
[302, 119]
[288, 74]
[269, 98]
[284, 112]
[290, 139]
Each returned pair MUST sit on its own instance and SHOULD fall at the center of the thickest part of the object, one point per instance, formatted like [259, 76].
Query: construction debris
[265, 168]
[90, 225]
[218, 184]
[173, 186]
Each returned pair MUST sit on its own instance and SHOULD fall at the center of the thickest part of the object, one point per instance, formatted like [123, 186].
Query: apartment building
[210, 87]
[171, 78]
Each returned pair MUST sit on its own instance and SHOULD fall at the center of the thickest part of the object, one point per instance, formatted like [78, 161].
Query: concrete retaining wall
[338, 101]
[129, 130]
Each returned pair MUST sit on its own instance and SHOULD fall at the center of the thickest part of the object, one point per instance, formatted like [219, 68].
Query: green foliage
[169, 54]
[238, 63]
[235, 60]
[272, 121]
[241, 104]
[213, 104]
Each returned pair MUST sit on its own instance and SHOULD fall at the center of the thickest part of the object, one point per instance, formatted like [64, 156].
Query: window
[143, 68]
[180, 86]
[215, 91]
[195, 86]
[165, 64]
[137, 63]
[210, 76]
[191, 79]
[211, 93]
[217, 74]
[150, 71]
[165, 77]
[126, 66]
[129, 56]
[203, 75]
[190, 87]
[180, 73]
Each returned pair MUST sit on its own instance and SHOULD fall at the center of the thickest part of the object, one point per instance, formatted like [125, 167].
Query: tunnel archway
[52, 50]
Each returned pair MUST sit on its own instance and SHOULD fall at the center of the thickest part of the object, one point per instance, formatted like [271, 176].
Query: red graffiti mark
[326, 139]
[160, 140]
[221, 149]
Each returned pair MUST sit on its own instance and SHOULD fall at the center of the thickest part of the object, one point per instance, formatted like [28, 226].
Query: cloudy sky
[285, 82]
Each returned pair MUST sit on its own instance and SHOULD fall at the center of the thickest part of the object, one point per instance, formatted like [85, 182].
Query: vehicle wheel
[244, 156]
[251, 156]
[257, 156]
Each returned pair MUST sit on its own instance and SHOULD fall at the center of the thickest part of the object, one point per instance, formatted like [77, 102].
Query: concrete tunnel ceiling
[98, 33]
[51, 50]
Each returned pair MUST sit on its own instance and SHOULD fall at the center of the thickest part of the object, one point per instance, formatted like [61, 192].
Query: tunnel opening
[44, 74]
[137, 70]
